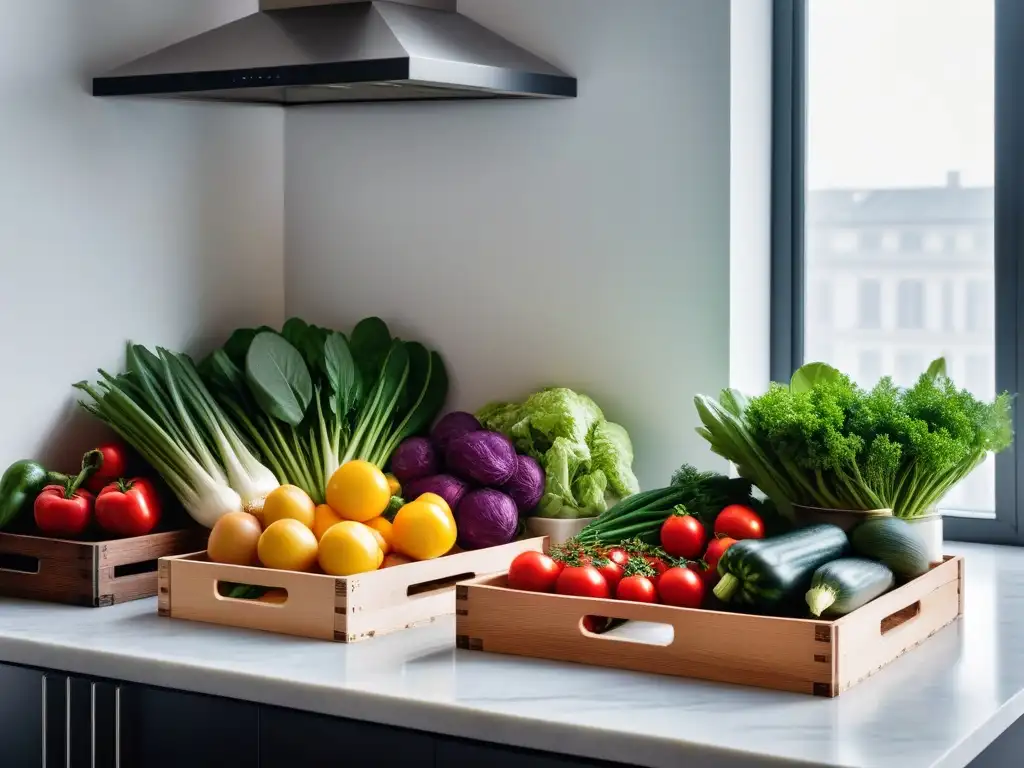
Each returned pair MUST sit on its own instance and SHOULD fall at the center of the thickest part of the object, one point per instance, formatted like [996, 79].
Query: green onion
[161, 408]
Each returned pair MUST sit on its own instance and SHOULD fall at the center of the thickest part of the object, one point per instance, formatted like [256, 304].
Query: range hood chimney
[314, 51]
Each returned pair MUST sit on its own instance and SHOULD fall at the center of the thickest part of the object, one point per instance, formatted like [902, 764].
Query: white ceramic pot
[558, 531]
[929, 528]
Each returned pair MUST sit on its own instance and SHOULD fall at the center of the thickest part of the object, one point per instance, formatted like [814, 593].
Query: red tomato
[682, 587]
[716, 548]
[618, 555]
[113, 465]
[708, 575]
[533, 572]
[62, 514]
[612, 573]
[739, 522]
[683, 536]
[128, 507]
[596, 624]
[582, 581]
[659, 566]
[639, 589]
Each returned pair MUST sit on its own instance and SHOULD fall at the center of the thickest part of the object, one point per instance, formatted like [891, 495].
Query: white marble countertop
[936, 707]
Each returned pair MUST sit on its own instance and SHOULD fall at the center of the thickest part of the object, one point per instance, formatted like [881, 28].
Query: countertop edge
[440, 719]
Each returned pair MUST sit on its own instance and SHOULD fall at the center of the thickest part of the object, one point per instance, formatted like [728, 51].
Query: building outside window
[869, 304]
[979, 306]
[891, 241]
[869, 367]
[845, 241]
[910, 305]
[934, 242]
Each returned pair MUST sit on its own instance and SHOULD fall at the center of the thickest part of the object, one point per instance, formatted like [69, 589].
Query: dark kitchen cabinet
[452, 752]
[21, 715]
[161, 728]
[289, 738]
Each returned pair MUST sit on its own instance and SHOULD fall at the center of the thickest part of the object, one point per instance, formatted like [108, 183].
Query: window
[823, 300]
[948, 306]
[869, 367]
[979, 306]
[869, 304]
[964, 241]
[933, 242]
[910, 305]
[913, 129]
[909, 366]
[844, 241]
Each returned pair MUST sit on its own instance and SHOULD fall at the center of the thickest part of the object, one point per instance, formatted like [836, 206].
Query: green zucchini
[767, 573]
[19, 486]
[894, 542]
[844, 585]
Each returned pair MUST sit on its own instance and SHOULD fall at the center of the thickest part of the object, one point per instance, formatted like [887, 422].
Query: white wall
[156, 220]
[750, 179]
[583, 242]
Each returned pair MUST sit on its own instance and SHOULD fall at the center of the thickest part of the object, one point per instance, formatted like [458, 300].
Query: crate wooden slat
[817, 657]
[85, 572]
[342, 609]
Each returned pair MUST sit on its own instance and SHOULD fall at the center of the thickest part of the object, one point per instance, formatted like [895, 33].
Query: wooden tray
[823, 658]
[92, 573]
[342, 609]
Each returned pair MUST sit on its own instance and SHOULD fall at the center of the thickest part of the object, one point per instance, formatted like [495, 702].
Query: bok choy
[310, 399]
[162, 408]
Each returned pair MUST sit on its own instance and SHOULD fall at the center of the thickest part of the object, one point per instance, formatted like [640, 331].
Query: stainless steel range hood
[312, 51]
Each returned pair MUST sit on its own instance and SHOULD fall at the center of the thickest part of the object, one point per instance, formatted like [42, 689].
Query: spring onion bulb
[163, 410]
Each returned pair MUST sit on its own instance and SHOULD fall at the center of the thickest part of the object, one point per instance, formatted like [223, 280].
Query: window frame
[788, 246]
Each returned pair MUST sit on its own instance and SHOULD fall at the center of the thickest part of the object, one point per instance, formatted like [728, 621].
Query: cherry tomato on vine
[533, 572]
[707, 574]
[739, 522]
[659, 566]
[612, 573]
[582, 581]
[716, 548]
[638, 589]
[683, 536]
[682, 587]
[618, 555]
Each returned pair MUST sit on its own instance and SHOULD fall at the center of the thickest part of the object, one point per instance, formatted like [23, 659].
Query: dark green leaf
[807, 376]
[426, 390]
[370, 344]
[222, 375]
[278, 378]
[341, 373]
[237, 345]
[294, 331]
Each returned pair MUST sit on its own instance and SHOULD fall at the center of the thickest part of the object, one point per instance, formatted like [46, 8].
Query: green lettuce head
[586, 459]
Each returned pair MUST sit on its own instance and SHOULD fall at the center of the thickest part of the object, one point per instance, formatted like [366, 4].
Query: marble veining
[936, 707]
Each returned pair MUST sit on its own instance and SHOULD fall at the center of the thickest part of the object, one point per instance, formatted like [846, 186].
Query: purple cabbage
[448, 487]
[451, 426]
[527, 484]
[486, 518]
[414, 458]
[486, 458]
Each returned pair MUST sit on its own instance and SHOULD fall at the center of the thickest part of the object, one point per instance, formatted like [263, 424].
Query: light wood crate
[91, 573]
[817, 657]
[342, 609]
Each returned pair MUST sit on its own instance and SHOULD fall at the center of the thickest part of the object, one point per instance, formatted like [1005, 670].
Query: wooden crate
[342, 609]
[92, 573]
[823, 658]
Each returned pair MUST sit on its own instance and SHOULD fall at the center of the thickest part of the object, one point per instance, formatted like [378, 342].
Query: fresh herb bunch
[822, 441]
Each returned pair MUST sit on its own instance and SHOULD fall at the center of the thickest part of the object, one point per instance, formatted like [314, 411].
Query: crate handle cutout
[900, 617]
[597, 626]
[250, 594]
[18, 563]
[132, 569]
[437, 585]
